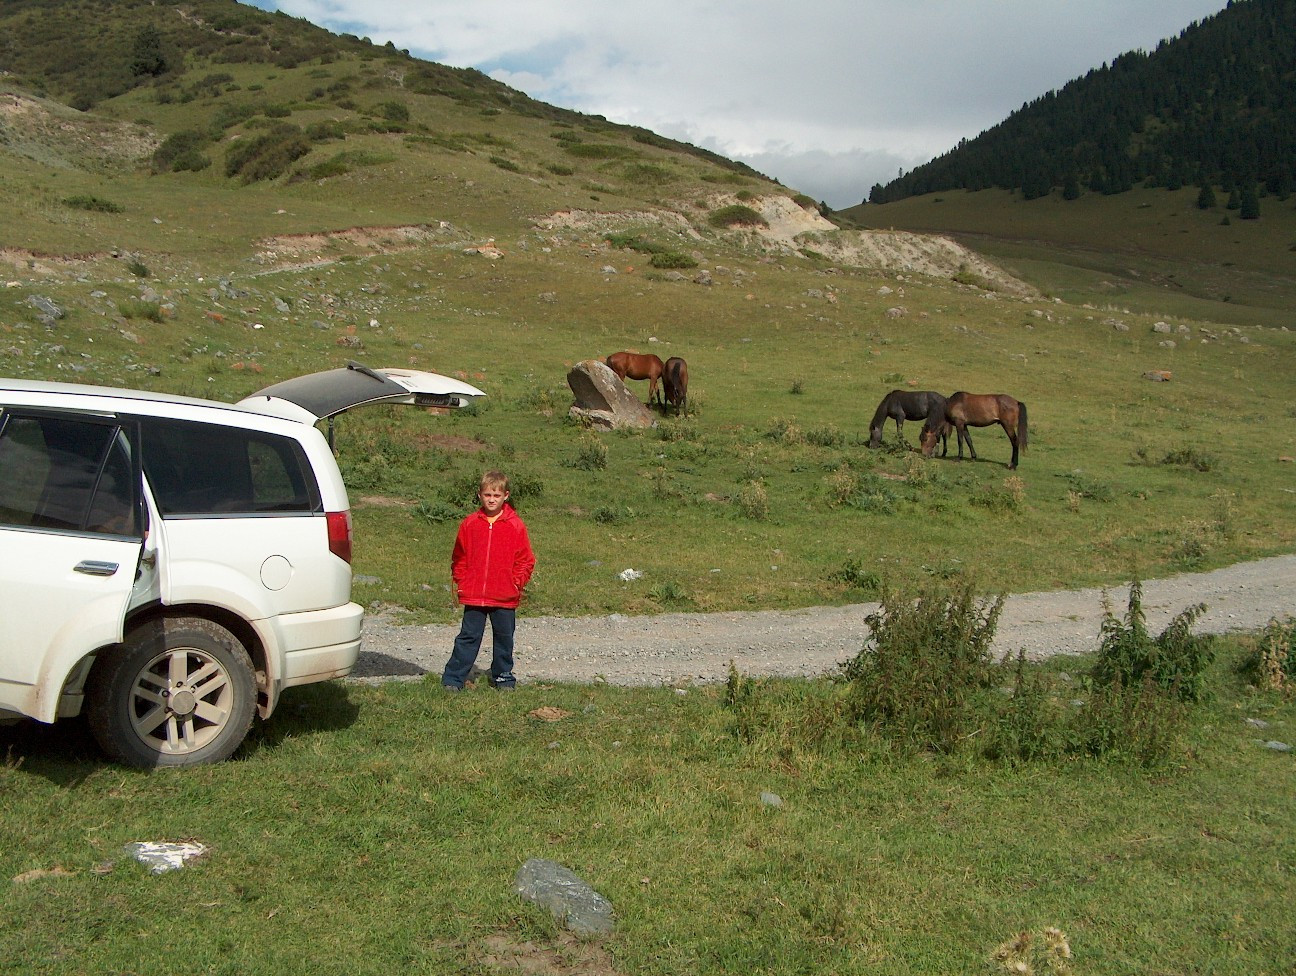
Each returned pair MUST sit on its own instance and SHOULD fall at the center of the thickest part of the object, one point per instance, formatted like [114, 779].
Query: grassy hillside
[231, 223]
[1151, 250]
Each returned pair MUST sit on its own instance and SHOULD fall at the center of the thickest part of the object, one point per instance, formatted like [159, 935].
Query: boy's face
[492, 499]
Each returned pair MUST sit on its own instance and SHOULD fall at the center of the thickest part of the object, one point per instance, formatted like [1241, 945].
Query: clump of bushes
[927, 681]
[672, 259]
[736, 215]
[269, 156]
[181, 151]
[85, 201]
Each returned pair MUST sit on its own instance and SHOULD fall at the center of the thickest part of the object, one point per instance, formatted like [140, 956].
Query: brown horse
[675, 380]
[964, 410]
[638, 366]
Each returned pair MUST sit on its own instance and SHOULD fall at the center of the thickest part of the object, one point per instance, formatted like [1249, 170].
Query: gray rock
[571, 901]
[1278, 746]
[603, 400]
[46, 307]
[771, 799]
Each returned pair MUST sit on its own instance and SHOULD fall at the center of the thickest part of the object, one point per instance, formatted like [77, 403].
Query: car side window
[208, 469]
[66, 473]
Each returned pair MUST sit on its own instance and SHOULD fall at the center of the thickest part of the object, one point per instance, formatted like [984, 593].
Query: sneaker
[504, 682]
[452, 688]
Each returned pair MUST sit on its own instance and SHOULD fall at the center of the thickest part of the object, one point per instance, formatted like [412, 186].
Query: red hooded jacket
[491, 562]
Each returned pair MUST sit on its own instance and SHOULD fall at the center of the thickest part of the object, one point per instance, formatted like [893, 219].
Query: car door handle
[96, 567]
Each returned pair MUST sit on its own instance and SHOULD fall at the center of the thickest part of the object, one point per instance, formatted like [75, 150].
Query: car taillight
[339, 534]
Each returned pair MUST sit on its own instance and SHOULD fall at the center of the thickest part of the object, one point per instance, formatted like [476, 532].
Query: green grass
[377, 829]
[1100, 496]
[1150, 250]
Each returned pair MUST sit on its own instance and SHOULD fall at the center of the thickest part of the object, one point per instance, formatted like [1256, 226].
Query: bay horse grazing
[675, 380]
[637, 366]
[902, 405]
[964, 410]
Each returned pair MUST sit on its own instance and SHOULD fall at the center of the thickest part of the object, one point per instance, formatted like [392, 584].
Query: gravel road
[684, 648]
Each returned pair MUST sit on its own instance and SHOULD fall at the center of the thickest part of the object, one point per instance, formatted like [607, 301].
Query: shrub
[269, 156]
[1137, 722]
[438, 511]
[1028, 725]
[647, 174]
[854, 575]
[753, 500]
[1175, 662]
[506, 164]
[1190, 457]
[592, 456]
[669, 593]
[634, 242]
[325, 130]
[392, 111]
[181, 151]
[133, 308]
[1272, 666]
[929, 659]
[736, 215]
[139, 269]
[672, 259]
[826, 436]
[598, 150]
[92, 203]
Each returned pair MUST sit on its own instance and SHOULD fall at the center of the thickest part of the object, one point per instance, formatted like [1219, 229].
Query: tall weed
[1175, 661]
[929, 659]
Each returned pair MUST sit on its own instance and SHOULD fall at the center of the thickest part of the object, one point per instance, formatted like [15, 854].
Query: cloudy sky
[826, 96]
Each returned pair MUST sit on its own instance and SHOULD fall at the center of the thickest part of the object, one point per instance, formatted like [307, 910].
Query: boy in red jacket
[491, 563]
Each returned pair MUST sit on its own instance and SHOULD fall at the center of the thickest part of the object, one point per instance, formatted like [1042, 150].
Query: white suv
[172, 564]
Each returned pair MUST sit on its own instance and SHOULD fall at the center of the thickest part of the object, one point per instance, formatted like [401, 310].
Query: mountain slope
[1215, 105]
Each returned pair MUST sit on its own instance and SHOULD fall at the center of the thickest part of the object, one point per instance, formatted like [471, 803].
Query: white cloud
[829, 96]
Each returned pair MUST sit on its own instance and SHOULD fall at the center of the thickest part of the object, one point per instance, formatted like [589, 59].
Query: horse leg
[1012, 439]
[966, 435]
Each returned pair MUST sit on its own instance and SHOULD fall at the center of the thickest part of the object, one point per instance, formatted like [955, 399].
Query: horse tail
[1023, 434]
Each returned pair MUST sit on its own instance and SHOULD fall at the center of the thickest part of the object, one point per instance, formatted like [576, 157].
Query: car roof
[90, 393]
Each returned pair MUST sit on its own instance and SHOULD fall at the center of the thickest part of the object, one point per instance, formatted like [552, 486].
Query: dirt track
[684, 648]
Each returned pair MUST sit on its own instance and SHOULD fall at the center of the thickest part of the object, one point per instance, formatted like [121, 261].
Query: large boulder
[602, 400]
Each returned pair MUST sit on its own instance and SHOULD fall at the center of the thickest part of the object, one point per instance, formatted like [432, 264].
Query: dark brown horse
[964, 410]
[902, 405]
[675, 380]
[638, 366]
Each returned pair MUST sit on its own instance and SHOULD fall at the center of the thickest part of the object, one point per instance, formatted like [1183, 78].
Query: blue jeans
[503, 621]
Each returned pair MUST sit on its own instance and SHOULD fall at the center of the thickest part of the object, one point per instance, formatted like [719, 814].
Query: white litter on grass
[629, 574]
[162, 857]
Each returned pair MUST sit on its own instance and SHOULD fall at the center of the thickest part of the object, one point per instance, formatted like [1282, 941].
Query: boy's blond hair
[494, 479]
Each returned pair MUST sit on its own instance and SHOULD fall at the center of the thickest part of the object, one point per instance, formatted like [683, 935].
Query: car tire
[177, 692]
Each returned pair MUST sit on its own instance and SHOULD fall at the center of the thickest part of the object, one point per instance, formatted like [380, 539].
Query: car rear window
[208, 469]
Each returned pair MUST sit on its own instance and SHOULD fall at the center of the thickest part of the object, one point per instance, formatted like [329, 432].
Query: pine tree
[147, 56]
[1249, 207]
[1206, 198]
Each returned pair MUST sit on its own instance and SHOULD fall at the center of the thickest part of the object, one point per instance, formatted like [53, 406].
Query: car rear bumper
[319, 644]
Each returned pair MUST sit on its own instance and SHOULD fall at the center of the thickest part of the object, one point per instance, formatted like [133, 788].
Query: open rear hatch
[320, 396]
